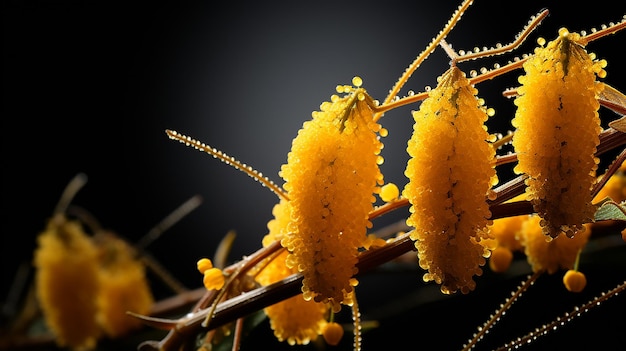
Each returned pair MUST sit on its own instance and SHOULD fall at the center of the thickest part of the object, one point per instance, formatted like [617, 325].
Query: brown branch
[259, 298]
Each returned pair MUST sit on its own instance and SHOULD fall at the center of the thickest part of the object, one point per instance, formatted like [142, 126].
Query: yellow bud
[574, 281]
[213, 279]
[333, 332]
[204, 264]
[389, 192]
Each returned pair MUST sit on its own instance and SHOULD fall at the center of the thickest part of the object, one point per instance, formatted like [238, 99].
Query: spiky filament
[564, 319]
[501, 49]
[424, 54]
[229, 160]
[530, 280]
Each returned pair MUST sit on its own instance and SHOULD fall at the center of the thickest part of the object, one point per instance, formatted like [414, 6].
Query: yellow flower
[331, 177]
[451, 171]
[574, 281]
[333, 332]
[547, 254]
[123, 287]
[67, 283]
[213, 279]
[557, 132]
[204, 264]
[294, 320]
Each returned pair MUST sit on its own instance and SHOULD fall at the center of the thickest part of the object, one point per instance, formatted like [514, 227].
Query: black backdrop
[91, 86]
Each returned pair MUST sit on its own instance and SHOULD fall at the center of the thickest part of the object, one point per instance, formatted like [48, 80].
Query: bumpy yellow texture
[331, 177]
[545, 254]
[451, 171]
[294, 320]
[67, 283]
[557, 132]
[123, 287]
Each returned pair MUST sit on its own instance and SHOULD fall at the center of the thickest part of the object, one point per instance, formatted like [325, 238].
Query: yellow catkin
[67, 283]
[545, 254]
[293, 320]
[557, 132]
[123, 287]
[451, 171]
[331, 176]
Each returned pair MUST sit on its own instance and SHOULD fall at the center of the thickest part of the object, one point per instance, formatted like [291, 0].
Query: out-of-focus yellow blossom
[547, 254]
[574, 281]
[67, 283]
[123, 287]
[505, 233]
[333, 333]
[615, 187]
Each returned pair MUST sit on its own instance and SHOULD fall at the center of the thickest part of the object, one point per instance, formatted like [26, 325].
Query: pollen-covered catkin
[67, 282]
[294, 320]
[451, 171]
[557, 132]
[331, 176]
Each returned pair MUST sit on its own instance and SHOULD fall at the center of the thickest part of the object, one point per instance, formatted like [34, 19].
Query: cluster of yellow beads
[451, 171]
[67, 282]
[331, 176]
[557, 132]
[294, 320]
[213, 277]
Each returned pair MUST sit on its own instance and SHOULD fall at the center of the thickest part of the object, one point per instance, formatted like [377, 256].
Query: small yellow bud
[204, 264]
[389, 192]
[333, 332]
[574, 281]
[213, 279]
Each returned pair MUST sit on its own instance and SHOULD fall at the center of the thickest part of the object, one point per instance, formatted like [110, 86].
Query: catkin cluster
[331, 176]
[85, 288]
[67, 283]
[294, 320]
[451, 171]
[557, 132]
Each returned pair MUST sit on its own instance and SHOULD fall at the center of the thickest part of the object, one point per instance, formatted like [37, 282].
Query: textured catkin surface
[294, 320]
[331, 176]
[451, 171]
[557, 132]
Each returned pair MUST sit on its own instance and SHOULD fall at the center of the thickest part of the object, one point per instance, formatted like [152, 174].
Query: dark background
[91, 86]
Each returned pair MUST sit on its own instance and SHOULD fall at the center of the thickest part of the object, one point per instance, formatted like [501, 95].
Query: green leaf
[611, 210]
